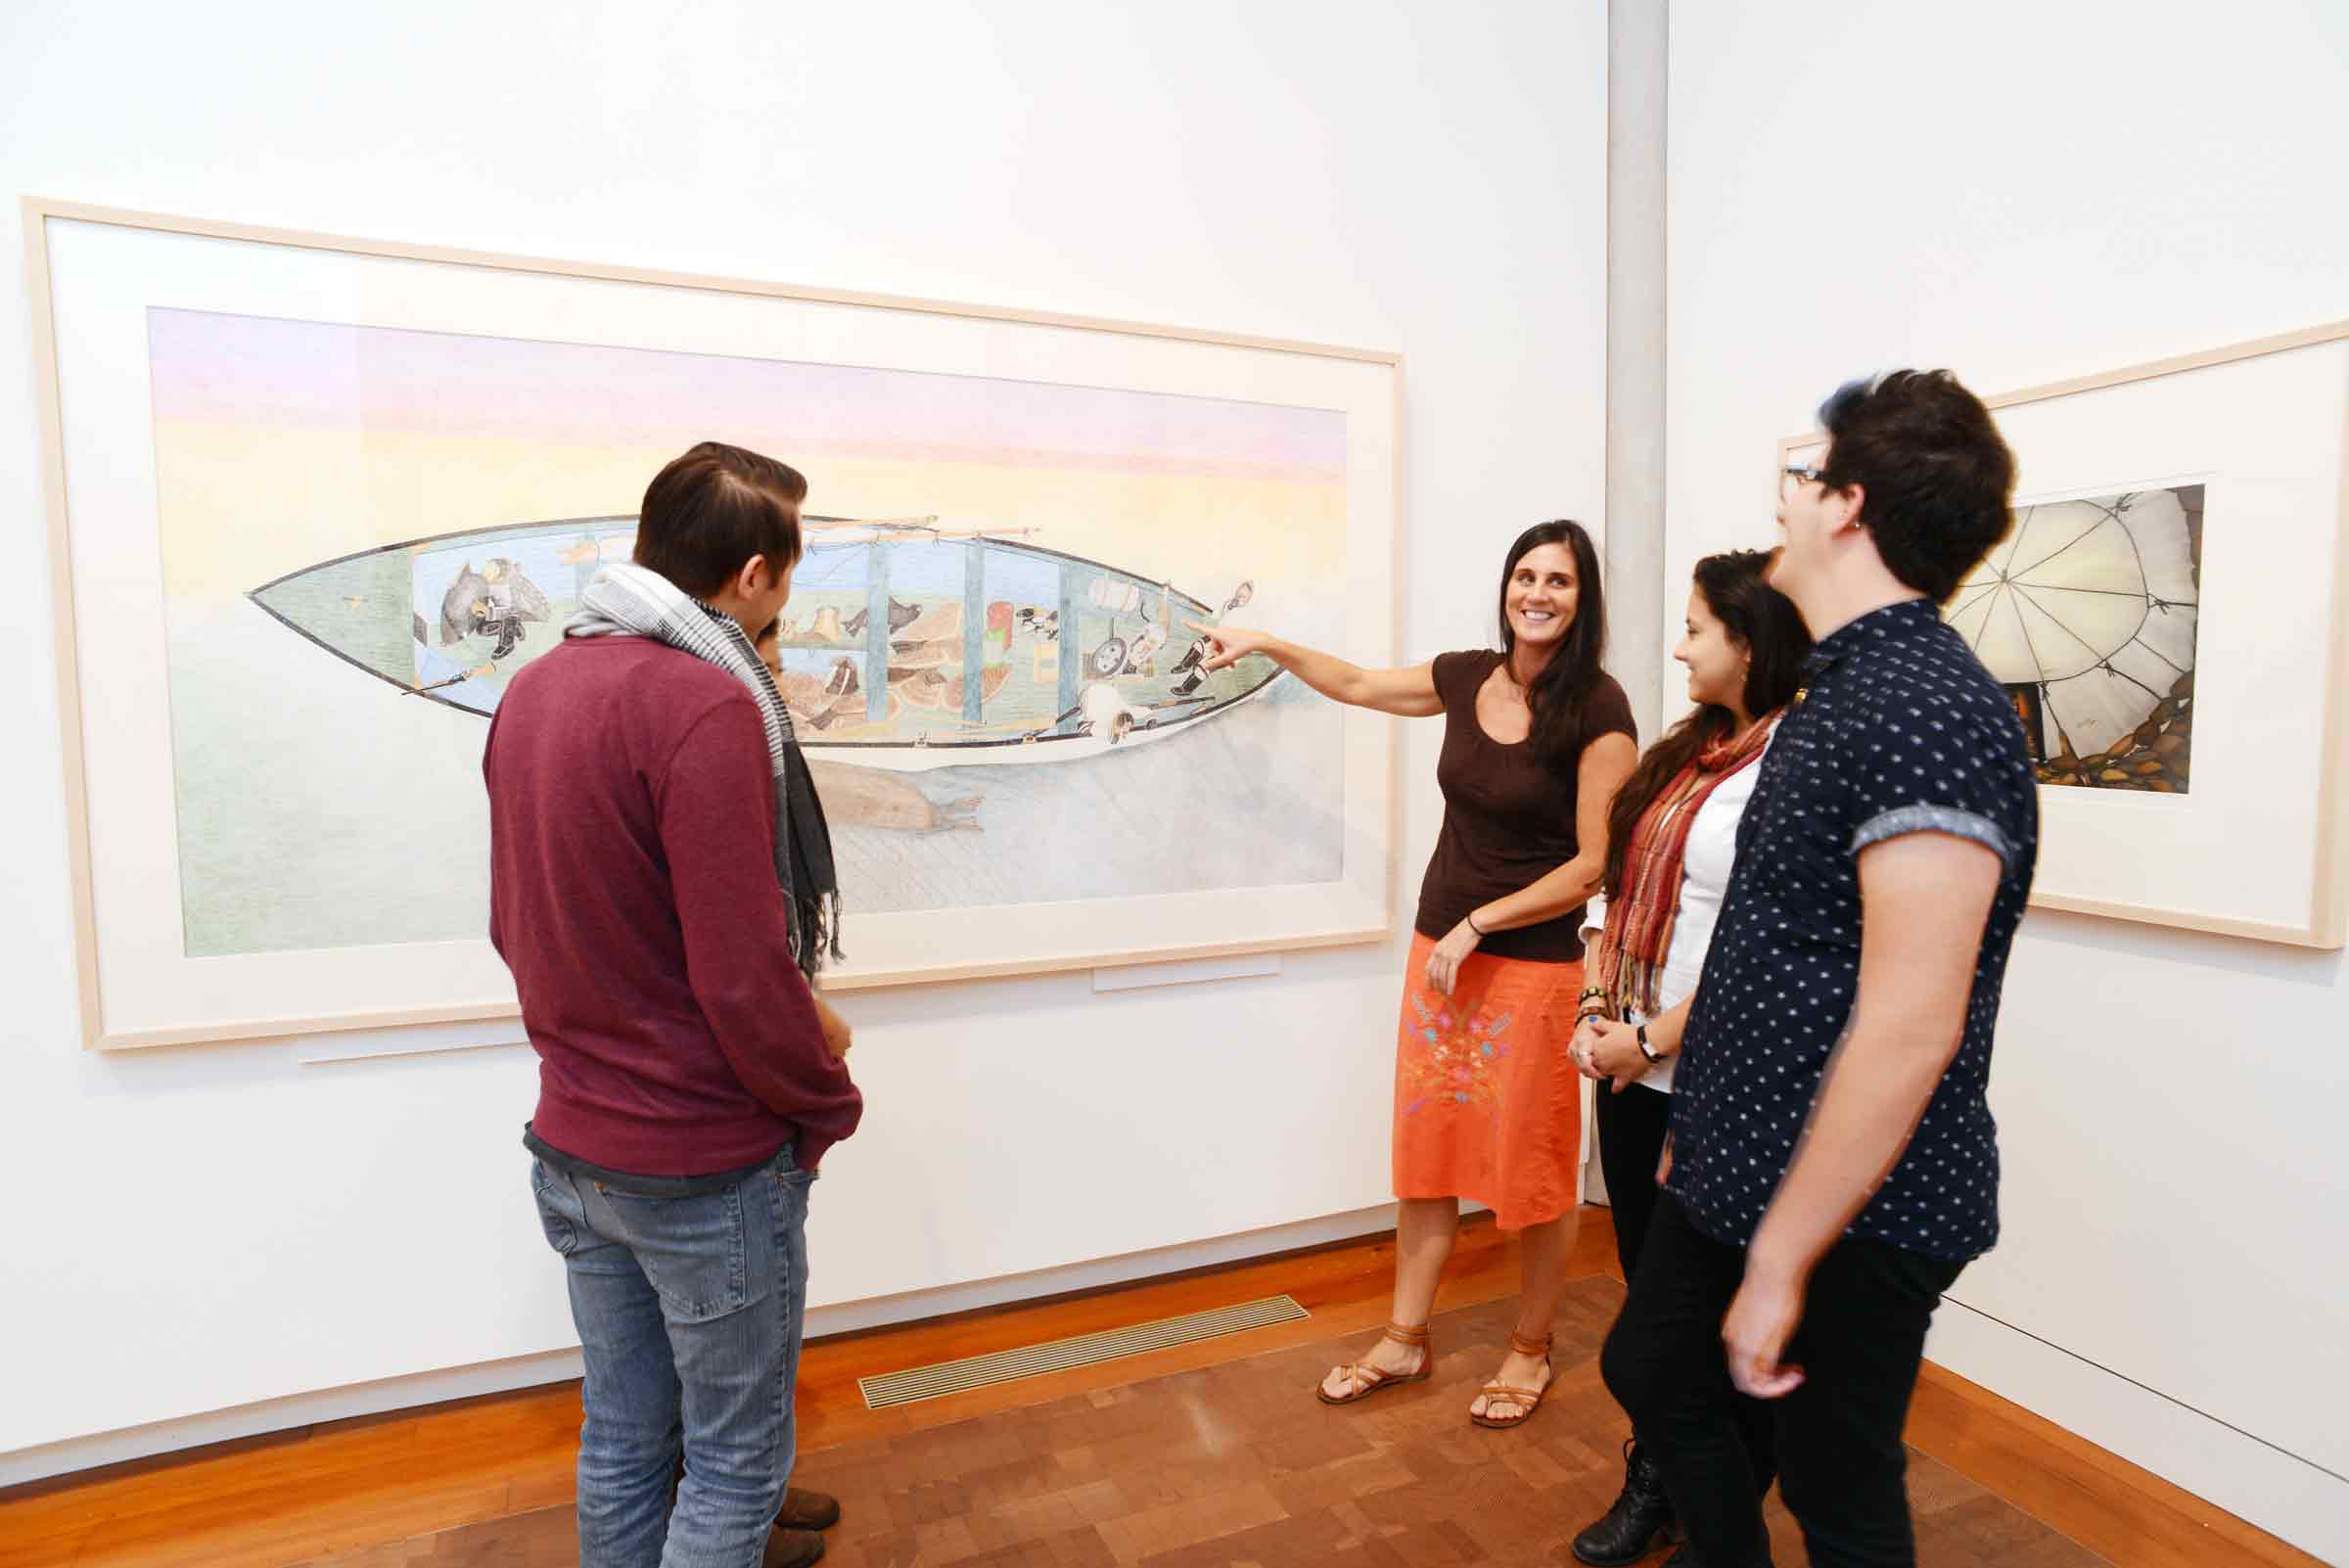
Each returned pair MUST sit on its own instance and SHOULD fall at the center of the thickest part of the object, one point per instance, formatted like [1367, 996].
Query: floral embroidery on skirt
[1488, 1106]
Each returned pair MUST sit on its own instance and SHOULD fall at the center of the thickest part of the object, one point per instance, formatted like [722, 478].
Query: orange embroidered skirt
[1487, 1105]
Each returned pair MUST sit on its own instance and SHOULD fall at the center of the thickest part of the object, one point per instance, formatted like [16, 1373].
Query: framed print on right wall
[2167, 613]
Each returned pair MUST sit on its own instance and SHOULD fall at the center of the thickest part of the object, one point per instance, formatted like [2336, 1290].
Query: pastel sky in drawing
[252, 370]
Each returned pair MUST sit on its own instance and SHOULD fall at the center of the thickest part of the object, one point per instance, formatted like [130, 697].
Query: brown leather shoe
[791, 1548]
[807, 1510]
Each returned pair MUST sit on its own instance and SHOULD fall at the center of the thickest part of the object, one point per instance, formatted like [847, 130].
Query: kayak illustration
[904, 646]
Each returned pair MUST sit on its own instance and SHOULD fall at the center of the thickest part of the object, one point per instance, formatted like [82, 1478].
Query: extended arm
[1409, 693]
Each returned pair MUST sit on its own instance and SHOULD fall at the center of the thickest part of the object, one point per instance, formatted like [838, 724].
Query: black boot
[1640, 1516]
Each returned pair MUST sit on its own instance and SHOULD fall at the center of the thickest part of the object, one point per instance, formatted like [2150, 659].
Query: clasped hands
[1604, 1049]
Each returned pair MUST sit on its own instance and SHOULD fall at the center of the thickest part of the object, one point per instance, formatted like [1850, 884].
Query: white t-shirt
[1704, 882]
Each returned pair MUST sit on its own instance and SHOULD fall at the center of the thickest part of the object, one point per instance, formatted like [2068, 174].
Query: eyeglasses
[1800, 474]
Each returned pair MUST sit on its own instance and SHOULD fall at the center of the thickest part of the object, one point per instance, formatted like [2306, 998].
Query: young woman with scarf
[1671, 839]
[1537, 736]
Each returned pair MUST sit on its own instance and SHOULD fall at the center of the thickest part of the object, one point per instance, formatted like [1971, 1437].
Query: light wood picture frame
[264, 450]
[2192, 750]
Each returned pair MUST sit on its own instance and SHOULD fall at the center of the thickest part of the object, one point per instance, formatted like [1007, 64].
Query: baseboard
[498, 1377]
[284, 1415]
[2289, 1496]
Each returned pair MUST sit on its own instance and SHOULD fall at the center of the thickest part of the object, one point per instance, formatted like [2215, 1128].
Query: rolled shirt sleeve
[1931, 766]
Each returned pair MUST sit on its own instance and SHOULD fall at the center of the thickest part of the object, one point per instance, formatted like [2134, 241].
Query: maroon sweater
[632, 892]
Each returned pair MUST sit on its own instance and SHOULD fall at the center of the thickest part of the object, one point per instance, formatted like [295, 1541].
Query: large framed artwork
[2168, 615]
[314, 500]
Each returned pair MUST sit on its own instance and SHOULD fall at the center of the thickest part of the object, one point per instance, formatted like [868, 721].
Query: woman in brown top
[1488, 1106]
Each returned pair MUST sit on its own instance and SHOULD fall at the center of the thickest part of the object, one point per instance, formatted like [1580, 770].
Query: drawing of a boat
[904, 646]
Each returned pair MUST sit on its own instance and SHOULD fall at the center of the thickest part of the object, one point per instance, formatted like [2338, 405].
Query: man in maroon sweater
[690, 1079]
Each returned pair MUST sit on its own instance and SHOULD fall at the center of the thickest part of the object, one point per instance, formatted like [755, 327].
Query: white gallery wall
[2023, 193]
[203, 1228]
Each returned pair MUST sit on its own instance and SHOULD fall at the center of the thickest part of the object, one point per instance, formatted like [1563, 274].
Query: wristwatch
[1645, 1049]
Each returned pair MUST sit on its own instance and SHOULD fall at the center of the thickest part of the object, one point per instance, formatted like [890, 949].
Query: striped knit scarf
[1628, 960]
[629, 601]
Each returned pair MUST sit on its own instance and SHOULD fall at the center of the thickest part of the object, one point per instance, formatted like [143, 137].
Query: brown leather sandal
[1368, 1380]
[1508, 1396]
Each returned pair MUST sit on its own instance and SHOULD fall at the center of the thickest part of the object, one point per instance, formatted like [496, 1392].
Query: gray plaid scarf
[629, 601]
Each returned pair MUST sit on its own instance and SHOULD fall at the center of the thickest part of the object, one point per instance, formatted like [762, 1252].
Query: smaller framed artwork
[2167, 616]
[2086, 611]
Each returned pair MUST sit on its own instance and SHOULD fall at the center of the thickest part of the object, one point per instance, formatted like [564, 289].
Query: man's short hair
[1938, 476]
[710, 511]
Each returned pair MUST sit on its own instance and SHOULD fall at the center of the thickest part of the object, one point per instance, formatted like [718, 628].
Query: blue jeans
[689, 1311]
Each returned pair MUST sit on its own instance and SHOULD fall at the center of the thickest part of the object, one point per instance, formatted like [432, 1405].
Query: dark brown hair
[710, 511]
[1764, 622]
[1557, 694]
[1938, 476]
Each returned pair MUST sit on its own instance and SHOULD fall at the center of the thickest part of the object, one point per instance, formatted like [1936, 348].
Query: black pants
[1631, 1127]
[1838, 1437]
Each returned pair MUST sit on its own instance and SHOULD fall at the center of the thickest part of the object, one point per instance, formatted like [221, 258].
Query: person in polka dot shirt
[1833, 1162]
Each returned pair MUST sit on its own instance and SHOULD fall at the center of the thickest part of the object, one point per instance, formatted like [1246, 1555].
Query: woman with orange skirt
[1488, 1103]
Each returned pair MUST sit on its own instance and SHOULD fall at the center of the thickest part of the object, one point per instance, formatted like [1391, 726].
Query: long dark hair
[1557, 694]
[1764, 622]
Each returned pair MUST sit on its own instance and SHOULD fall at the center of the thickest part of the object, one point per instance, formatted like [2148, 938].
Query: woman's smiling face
[1542, 596]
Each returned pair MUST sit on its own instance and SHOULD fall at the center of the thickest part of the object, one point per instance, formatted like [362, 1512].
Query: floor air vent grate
[918, 1383]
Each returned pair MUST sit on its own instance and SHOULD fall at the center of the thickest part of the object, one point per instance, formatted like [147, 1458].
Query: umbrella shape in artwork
[2088, 613]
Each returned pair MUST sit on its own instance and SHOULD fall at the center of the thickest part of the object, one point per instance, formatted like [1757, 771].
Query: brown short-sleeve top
[1508, 817]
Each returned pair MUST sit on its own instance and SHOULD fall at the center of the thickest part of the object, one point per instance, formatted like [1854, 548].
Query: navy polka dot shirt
[1898, 729]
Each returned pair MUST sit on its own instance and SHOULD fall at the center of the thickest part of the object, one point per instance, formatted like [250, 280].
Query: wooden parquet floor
[1207, 1455]
[1236, 1466]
